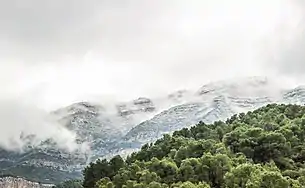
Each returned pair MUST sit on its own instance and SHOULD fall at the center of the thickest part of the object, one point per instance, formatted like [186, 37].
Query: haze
[62, 51]
[57, 52]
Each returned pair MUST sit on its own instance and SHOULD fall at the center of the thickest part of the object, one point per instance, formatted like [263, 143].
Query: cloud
[73, 49]
[285, 50]
[23, 124]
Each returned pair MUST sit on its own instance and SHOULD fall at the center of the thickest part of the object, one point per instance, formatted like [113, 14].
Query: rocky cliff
[16, 182]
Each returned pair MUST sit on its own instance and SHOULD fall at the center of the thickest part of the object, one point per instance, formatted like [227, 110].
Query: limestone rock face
[15, 182]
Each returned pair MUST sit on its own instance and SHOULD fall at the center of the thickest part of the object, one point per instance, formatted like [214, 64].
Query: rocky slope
[16, 182]
[122, 128]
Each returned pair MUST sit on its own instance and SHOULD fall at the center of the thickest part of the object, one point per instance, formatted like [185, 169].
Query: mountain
[124, 127]
[212, 102]
[92, 123]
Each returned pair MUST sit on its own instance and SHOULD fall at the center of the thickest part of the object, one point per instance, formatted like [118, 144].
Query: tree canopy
[260, 148]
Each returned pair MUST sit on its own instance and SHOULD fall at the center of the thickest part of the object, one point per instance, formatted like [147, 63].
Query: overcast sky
[57, 51]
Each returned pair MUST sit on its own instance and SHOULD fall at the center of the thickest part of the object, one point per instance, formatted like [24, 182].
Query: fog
[54, 53]
[24, 124]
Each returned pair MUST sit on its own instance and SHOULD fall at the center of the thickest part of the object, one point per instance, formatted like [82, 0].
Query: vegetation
[260, 149]
[70, 184]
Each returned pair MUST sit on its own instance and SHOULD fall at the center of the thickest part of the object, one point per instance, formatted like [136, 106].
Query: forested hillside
[262, 148]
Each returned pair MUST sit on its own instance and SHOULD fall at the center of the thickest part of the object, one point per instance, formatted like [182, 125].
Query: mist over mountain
[87, 80]
[108, 54]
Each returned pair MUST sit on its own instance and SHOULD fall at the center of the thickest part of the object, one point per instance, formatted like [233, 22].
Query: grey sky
[62, 50]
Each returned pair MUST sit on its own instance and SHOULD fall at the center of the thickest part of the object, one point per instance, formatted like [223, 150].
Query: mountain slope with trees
[262, 148]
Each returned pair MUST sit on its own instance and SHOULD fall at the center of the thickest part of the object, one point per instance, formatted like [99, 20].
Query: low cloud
[23, 124]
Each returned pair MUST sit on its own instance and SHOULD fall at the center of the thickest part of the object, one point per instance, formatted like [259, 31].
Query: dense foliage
[70, 184]
[263, 148]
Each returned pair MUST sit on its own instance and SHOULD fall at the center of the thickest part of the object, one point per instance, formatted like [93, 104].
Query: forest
[264, 148]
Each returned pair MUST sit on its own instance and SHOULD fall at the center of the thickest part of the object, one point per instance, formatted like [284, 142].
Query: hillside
[262, 148]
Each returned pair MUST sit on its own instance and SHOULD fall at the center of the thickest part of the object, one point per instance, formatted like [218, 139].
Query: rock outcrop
[16, 182]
